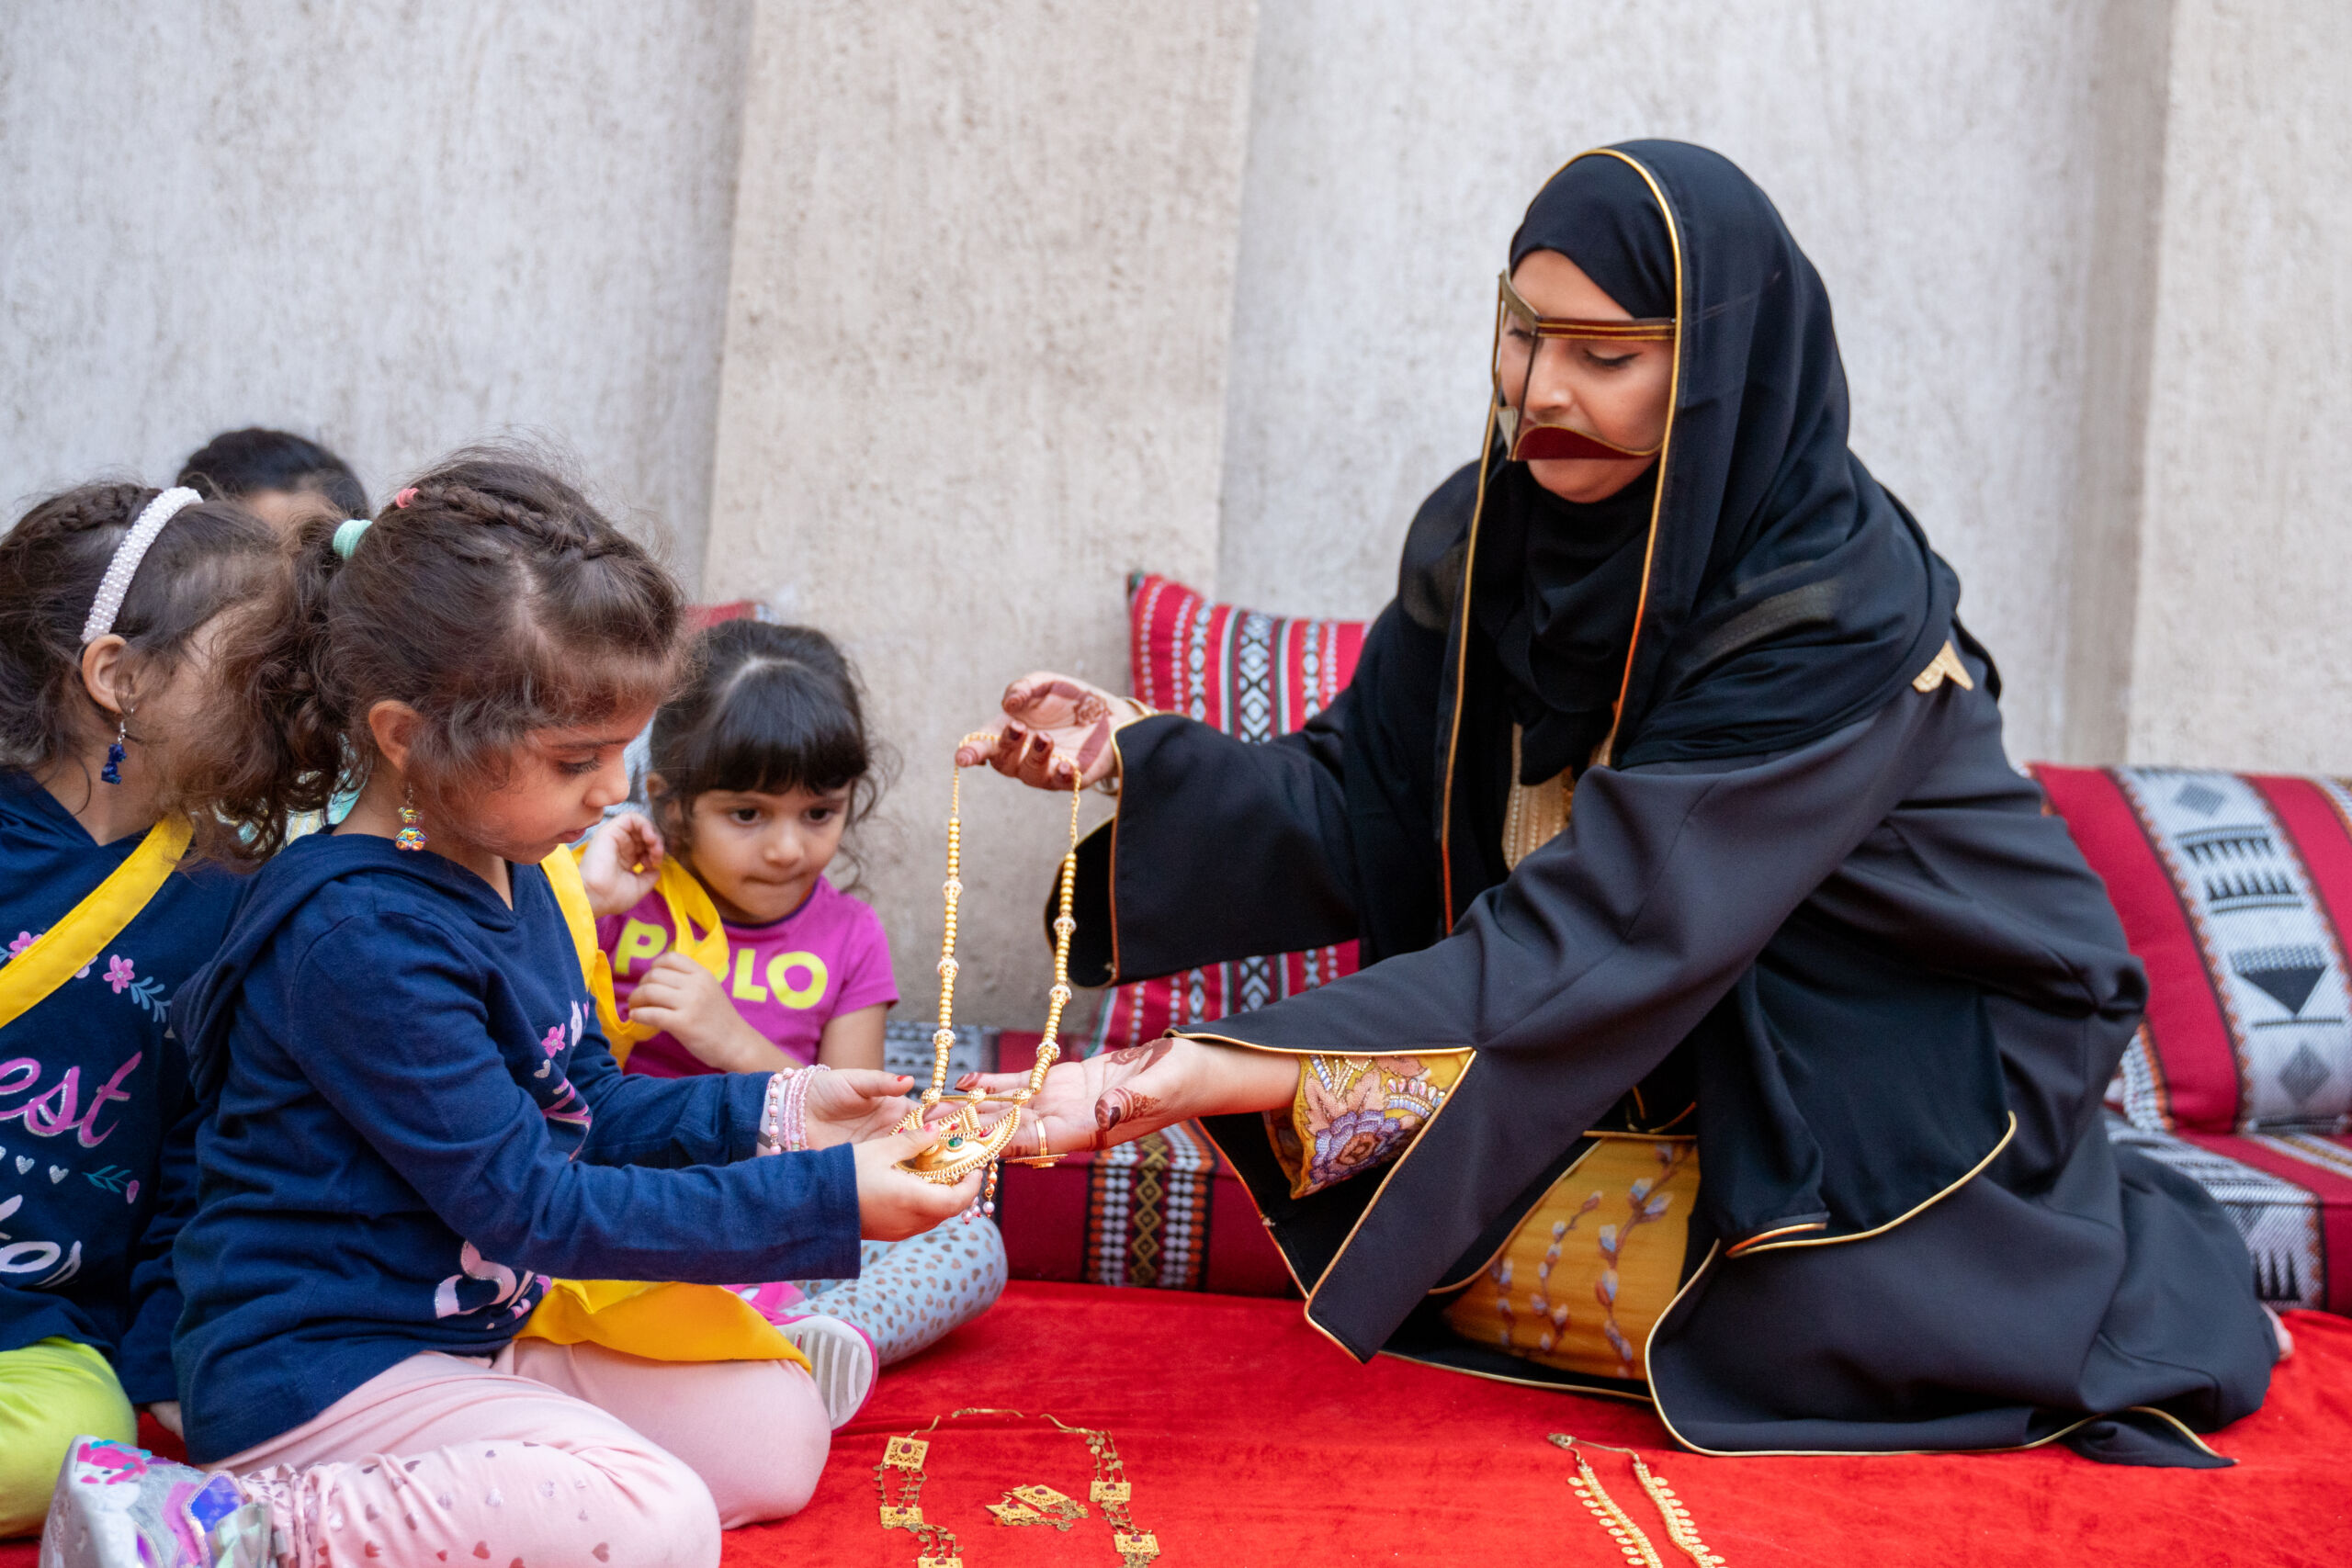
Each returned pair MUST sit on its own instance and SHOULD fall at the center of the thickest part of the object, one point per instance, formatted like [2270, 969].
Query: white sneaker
[120, 1507]
[841, 1360]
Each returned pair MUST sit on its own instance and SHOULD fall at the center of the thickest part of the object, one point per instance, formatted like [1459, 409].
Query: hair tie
[346, 536]
[127, 557]
[404, 497]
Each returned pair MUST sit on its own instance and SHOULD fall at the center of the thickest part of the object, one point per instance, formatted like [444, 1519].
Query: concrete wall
[2242, 640]
[1927, 155]
[1025, 296]
[394, 226]
[975, 372]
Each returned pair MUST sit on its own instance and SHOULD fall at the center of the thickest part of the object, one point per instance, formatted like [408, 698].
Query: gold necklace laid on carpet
[1033, 1504]
[966, 1146]
[1619, 1524]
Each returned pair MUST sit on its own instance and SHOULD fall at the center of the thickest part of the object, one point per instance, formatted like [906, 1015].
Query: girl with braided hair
[110, 596]
[413, 1119]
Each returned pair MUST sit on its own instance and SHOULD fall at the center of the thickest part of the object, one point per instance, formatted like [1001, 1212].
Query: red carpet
[1251, 1441]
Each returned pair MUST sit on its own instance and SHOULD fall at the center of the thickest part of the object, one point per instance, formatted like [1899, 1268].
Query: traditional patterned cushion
[2234, 889]
[1250, 675]
[1163, 1211]
[2289, 1193]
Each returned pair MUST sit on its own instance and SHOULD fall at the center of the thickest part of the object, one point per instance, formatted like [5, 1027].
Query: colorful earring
[112, 772]
[411, 836]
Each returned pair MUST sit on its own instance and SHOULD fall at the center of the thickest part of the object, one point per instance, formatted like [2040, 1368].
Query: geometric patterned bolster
[2235, 890]
[2289, 1195]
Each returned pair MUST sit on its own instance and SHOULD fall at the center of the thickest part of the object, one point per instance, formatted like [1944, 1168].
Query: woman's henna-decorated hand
[1055, 729]
[1113, 1098]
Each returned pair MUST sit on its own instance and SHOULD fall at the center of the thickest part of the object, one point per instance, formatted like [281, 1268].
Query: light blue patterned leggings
[911, 1293]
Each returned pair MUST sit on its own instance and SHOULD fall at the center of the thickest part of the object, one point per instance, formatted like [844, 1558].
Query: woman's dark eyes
[1608, 362]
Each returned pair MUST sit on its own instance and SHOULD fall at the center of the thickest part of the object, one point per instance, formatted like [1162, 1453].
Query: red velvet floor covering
[1251, 1440]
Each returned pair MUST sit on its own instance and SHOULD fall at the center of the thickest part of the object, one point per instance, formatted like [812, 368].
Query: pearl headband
[127, 557]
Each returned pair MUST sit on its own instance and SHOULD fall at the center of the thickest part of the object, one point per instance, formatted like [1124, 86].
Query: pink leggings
[550, 1455]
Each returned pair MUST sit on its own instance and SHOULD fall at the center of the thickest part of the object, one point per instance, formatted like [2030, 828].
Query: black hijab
[1788, 593]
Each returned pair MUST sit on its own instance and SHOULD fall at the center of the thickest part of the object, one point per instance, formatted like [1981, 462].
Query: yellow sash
[690, 908]
[75, 941]
[659, 1322]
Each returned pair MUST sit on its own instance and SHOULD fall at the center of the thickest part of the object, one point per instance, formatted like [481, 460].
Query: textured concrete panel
[975, 375]
[2243, 642]
[397, 227]
[1931, 158]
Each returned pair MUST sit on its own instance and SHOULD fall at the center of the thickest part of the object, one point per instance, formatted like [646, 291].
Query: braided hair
[206, 559]
[489, 597]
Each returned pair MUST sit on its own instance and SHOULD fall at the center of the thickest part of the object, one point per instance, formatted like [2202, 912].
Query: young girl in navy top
[108, 596]
[414, 1120]
[730, 952]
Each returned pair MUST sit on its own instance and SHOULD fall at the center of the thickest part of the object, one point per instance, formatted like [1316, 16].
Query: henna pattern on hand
[1149, 1055]
[1096, 739]
[1121, 1105]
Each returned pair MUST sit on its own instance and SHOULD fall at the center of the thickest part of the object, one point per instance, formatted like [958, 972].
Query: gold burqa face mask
[1575, 349]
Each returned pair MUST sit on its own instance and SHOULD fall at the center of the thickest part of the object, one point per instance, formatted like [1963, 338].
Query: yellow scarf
[659, 1322]
[74, 941]
[699, 935]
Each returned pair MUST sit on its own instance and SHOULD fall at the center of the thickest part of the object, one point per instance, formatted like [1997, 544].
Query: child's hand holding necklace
[851, 1105]
[622, 864]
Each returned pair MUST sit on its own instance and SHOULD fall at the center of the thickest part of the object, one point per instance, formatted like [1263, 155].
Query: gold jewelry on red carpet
[1110, 1491]
[1620, 1525]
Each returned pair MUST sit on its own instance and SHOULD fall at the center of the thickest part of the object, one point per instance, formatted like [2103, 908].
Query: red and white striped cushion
[1256, 676]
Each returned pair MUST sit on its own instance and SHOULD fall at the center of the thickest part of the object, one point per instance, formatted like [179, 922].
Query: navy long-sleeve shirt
[414, 1117]
[96, 1122]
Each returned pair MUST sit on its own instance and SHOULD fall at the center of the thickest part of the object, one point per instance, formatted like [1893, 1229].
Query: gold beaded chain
[967, 1146]
[936, 1546]
[1621, 1526]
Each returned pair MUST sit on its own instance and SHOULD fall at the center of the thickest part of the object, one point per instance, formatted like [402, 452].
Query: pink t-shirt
[789, 978]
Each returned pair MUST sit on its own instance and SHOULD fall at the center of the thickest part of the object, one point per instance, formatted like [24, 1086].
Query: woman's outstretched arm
[1225, 848]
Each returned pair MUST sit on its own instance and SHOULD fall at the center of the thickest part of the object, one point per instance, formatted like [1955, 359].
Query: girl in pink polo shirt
[731, 953]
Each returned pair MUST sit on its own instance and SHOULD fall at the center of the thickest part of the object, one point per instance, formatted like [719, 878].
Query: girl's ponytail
[277, 745]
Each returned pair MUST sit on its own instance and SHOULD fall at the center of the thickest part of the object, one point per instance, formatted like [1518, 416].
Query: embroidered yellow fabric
[1535, 814]
[661, 1322]
[1351, 1114]
[82, 932]
[1581, 1281]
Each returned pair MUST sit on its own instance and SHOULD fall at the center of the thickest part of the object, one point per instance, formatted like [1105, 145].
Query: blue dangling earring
[112, 772]
[411, 836]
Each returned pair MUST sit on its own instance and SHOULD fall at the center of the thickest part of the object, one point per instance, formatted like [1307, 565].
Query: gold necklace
[935, 1544]
[966, 1146]
[1619, 1524]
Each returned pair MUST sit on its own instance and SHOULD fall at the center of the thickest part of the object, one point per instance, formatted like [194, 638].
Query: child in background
[108, 596]
[757, 767]
[759, 764]
[411, 1118]
[279, 477]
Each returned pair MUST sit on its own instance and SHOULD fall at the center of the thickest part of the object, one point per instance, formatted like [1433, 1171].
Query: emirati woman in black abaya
[1734, 1023]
